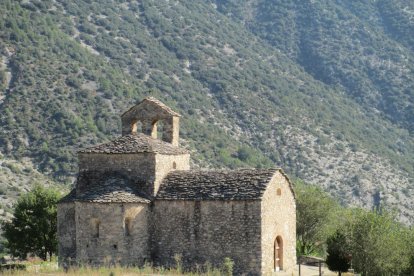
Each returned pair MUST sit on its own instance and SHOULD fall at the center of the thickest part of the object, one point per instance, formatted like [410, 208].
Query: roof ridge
[231, 170]
[161, 104]
[157, 102]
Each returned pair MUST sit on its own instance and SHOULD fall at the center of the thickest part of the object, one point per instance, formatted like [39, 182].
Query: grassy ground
[51, 268]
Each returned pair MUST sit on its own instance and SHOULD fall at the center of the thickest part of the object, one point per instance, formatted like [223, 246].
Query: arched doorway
[278, 253]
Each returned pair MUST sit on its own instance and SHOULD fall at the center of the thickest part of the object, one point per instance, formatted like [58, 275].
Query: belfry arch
[136, 127]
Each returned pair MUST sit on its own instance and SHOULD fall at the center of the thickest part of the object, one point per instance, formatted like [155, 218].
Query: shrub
[228, 265]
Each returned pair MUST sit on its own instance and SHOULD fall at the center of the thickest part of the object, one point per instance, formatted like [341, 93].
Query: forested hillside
[323, 89]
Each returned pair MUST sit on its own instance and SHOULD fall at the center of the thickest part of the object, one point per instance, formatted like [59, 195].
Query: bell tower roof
[151, 105]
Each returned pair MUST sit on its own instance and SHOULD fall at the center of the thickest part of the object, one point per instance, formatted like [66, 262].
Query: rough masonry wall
[278, 219]
[66, 232]
[166, 163]
[114, 243]
[207, 231]
[172, 130]
[137, 166]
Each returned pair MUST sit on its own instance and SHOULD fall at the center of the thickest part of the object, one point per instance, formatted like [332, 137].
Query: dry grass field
[51, 268]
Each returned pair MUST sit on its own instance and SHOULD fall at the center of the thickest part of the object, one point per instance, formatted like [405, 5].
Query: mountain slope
[70, 69]
[364, 47]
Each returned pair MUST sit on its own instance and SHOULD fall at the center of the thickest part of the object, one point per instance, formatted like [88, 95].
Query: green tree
[315, 211]
[34, 225]
[338, 258]
[409, 271]
[379, 244]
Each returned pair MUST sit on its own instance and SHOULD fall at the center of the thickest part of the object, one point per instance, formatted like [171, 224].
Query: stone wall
[150, 168]
[207, 231]
[278, 219]
[171, 130]
[166, 163]
[111, 242]
[137, 166]
[66, 232]
[199, 231]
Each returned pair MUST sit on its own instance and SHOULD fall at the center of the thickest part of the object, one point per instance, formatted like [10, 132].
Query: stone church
[136, 200]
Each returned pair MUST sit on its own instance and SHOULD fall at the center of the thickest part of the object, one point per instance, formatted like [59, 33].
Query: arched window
[96, 224]
[127, 226]
[279, 191]
[174, 165]
[278, 253]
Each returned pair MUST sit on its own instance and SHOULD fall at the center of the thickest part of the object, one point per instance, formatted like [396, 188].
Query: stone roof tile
[105, 188]
[135, 143]
[156, 102]
[216, 185]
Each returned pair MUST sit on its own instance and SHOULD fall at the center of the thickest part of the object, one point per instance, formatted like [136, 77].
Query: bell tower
[146, 116]
[146, 152]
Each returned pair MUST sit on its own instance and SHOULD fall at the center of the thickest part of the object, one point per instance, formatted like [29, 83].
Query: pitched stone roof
[105, 188]
[157, 103]
[135, 143]
[245, 184]
[216, 185]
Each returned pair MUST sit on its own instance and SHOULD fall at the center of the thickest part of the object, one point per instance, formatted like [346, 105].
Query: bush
[228, 265]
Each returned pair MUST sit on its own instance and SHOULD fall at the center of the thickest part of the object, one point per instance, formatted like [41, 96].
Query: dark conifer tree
[338, 254]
